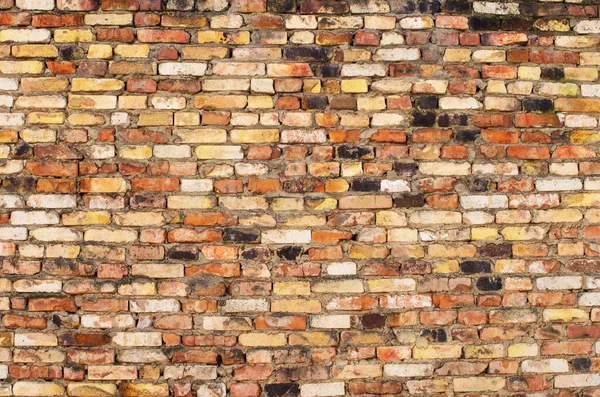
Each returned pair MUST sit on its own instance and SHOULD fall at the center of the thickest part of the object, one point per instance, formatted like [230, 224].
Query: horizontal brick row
[299, 198]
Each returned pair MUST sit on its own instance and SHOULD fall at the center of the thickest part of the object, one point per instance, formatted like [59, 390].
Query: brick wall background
[310, 198]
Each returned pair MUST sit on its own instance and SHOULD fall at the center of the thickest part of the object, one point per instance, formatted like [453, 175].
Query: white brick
[558, 184]
[286, 237]
[196, 185]
[395, 186]
[331, 321]
[397, 54]
[407, 370]
[589, 299]
[341, 268]
[246, 305]
[322, 389]
[482, 202]
[560, 282]
[459, 103]
[489, 7]
[182, 69]
[43, 5]
[13, 233]
[550, 365]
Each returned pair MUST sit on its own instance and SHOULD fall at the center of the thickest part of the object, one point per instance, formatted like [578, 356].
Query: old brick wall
[309, 198]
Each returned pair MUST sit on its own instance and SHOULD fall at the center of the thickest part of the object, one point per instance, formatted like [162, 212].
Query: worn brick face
[299, 198]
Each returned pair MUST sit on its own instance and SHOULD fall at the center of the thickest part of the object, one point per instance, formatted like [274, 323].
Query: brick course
[309, 198]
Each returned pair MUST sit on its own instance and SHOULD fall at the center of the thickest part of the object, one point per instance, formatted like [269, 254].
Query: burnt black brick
[282, 390]
[353, 152]
[405, 169]
[495, 250]
[472, 267]
[366, 185]
[538, 105]
[423, 119]
[553, 73]
[290, 252]
[457, 6]
[305, 53]
[582, 364]
[435, 335]
[427, 102]
[279, 6]
[373, 320]
[409, 201]
[481, 23]
[466, 136]
[183, 253]
[241, 235]
[314, 102]
[489, 283]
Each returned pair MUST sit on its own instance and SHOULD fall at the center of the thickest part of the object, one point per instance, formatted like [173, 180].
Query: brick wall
[309, 198]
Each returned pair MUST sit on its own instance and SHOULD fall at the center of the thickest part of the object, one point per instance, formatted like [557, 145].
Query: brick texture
[314, 198]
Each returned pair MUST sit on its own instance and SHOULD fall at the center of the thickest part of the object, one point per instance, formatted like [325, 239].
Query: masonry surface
[284, 198]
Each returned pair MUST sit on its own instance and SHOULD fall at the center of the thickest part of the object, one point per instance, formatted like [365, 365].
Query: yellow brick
[46, 118]
[523, 350]
[565, 315]
[457, 55]
[155, 119]
[81, 389]
[73, 35]
[451, 266]
[132, 102]
[44, 84]
[260, 102]
[371, 103]
[583, 74]
[255, 136]
[9, 136]
[584, 136]
[581, 200]
[83, 84]
[135, 152]
[222, 38]
[355, 86]
[292, 288]
[21, 67]
[82, 218]
[287, 204]
[296, 306]
[529, 72]
[484, 233]
[63, 251]
[34, 51]
[556, 215]
[254, 339]
[312, 86]
[327, 204]
[86, 119]
[104, 185]
[99, 51]
[132, 50]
